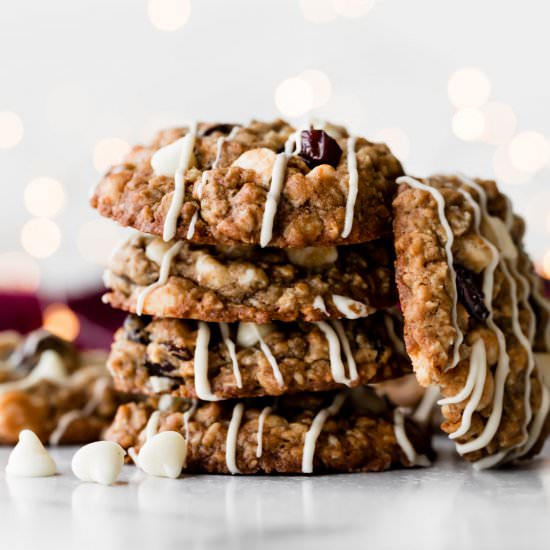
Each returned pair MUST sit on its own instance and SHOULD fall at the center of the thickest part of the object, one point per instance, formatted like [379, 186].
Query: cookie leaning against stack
[476, 322]
[263, 294]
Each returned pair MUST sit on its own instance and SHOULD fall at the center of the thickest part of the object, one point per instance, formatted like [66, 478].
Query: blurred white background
[450, 85]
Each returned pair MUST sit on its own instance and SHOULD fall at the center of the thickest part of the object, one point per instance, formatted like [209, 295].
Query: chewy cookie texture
[360, 434]
[47, 386]
[160, 356]
[476, 323]
[267, 279]
[324, 181]
[243, 283]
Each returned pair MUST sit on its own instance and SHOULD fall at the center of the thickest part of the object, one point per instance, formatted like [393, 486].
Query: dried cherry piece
[471, 297]
[317, 147]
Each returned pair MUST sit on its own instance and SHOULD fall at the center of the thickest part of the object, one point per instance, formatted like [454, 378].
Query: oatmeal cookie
[161, 356]
[470, 327]
[306, 433]
[47, 386]
[262, 183]
[244, 283]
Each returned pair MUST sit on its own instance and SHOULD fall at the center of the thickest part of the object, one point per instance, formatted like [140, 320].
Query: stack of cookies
[262, 299]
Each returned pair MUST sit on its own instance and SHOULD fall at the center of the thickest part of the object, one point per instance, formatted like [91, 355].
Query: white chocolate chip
[249, 334]
[210, 272]
[29, 458]
[260, 160]
[100, 462]
[312, 256]
[351, 309]
[165, 161]
[160, 384]
[495, 230]
[163, 455]
[156, 249]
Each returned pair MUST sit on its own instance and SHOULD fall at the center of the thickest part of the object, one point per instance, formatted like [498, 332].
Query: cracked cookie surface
[227, 181]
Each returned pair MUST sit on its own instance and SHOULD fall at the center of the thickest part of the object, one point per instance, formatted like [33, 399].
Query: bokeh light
[294, 97]
[468, 87]
[61, 321]
[169, 15]
[318, 11]
[396, 139]
[11, 129]
[352, 8]
[96, 240]
[320, 86]
[500, 123]
[109, 151]
[44, 197]
[40, 237]
[19, 272]
[528, 151]
[468, 124]
[505, 170]
[546, 264]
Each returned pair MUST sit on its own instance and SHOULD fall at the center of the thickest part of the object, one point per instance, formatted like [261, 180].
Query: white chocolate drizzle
[230, 345]
[270, 357]
[259, 437]
[397, 343]
[543, 303]
[187, 416]
[403, 441]
[352, 366]
[200, 362]
[478, 366]
[276, 187]
[503, 364]
[185, 159]
[352, 187]
[319, 303]
[192, 223]
[231, 440]
[164, 273]
[315, 429]
[351, 309]
[336, 365]
[440, 201]
[424, 409]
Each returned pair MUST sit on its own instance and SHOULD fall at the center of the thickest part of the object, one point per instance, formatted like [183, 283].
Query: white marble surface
[443, 507]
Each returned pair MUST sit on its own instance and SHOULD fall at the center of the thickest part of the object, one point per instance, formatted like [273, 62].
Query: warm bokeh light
[44, 197]
[468, 87]
[61, 321]
[505, 170]
[109, 151]
[468, 124]
[294, 97]
[546, 265]
[320, 86]
[96, 240]
[18, 271]
[528, 151]
[352, 8]
[396, 139]
[11, 129]
[500, 123]
[318, 11]
[40, 237]
[169, 15]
